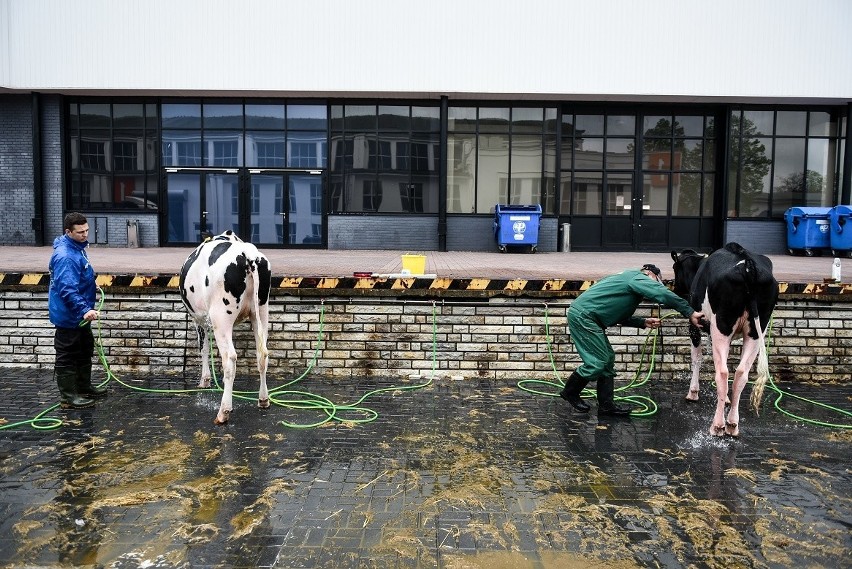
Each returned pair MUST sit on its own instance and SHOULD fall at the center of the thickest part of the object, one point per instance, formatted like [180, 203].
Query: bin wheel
[791, 252]
[809, 252]
[533, 249]
[501, 248]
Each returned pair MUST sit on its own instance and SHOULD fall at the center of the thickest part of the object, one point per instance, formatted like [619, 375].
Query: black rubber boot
[606, 399]
[571, 393]
[66, 380]
[84, 383]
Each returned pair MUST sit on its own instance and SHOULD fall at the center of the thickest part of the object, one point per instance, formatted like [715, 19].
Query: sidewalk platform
[321, 272]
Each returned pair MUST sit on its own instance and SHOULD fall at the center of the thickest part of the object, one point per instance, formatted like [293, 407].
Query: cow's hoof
[222, 418]
[717, 430]
[204, 384]
[263, 403]
[692, 397]
[732, 430]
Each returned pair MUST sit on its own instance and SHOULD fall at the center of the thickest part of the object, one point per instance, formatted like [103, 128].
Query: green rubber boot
[66, 380]
[84, 383]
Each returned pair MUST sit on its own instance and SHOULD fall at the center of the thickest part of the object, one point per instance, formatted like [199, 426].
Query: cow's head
[685, 266]
[228, 236]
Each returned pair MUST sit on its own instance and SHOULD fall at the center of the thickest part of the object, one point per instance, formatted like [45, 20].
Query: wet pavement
[450, 474]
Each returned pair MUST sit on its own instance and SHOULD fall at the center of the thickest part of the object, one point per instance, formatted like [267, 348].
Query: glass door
[286, 208]
[201, 203]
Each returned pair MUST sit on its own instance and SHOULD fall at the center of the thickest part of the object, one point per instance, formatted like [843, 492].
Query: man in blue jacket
[71, 304]
[608, 302]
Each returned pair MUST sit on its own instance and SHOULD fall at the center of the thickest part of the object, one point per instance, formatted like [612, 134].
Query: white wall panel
[660, 49]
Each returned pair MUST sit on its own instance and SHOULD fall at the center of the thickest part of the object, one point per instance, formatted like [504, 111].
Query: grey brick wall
[765, 237]
[52, 165]
[375, 232]
[477, 234]
[503, 341]
[16, 170]
[112, 229]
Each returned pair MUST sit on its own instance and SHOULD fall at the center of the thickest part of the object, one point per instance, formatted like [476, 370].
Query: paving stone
[445, 476]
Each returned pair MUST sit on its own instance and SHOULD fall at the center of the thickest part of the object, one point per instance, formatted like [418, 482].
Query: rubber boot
[571, 393]
[66, 380]
[606, 399]
[84, 383]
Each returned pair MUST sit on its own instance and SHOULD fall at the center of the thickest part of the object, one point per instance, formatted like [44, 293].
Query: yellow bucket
[414, 264]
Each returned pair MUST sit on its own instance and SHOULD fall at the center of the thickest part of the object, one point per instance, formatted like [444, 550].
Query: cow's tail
[762, 367]
[751, 277]
[253, 274]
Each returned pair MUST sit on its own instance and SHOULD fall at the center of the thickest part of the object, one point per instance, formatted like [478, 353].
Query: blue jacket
[73, 290]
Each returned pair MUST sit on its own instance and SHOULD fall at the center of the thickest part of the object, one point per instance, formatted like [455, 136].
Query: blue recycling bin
[841, 230]
[807, 230]
[516, 225]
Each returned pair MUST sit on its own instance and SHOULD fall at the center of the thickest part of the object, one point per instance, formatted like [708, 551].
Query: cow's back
[216, 277]
[734, 281]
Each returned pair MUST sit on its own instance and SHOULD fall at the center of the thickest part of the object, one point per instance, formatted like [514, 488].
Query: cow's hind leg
[749, 353]
[228, 354]
[697, 353]
[721, 348]
[262, 355]
[204, 348]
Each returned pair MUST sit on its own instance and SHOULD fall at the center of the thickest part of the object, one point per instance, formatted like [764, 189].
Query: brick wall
[17, 183]
[52, 165]
[506, 341]
[766, 237]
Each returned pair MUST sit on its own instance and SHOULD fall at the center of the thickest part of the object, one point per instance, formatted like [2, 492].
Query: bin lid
[512, 208]
[808, 212]
[841, 211]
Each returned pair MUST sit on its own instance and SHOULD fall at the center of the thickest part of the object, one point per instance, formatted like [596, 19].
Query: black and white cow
[223, 282]
[737, 293]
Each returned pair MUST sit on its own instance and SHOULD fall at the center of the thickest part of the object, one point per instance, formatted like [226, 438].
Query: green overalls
[608, 302]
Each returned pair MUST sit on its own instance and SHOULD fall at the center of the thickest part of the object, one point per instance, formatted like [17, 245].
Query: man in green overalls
[610, 301]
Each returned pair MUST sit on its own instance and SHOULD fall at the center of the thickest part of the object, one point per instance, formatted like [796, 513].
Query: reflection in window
[112, 157]
[412, 197]
[92, 155]
[279, 198]
[124, 156]
[255, 199]
[316, 198]
[376, 155]
[303, 155]
[372, 195]
[619, 193]
[497, 155]
[686, 195]
[188, 154]
[587, 193]
[270, 154]
[781, 159]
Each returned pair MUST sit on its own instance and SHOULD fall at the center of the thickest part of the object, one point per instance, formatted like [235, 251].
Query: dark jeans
[74, 346]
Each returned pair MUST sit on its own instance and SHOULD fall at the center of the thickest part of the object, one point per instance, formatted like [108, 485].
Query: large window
[598, 163]
[113, 162]
[678, 165]
[381, 155]
[501, 155]
[256, 135]
[782, 158]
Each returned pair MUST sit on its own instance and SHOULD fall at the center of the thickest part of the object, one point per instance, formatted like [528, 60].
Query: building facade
[390, 125]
